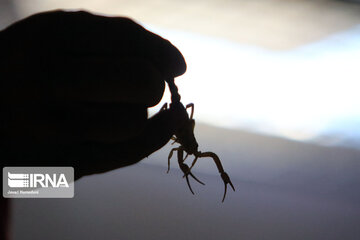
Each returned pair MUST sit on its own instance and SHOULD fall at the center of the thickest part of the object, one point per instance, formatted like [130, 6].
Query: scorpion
[184, 135]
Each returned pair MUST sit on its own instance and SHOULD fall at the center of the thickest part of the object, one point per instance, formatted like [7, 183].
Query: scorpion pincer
[184, 135]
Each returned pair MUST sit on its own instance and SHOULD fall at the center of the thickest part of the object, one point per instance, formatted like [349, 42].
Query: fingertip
[176, 61]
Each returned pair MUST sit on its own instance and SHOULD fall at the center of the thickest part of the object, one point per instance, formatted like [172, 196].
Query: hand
[75, 89]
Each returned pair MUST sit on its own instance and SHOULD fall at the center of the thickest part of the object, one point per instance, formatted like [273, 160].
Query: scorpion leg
[169, 157]
[225, 177]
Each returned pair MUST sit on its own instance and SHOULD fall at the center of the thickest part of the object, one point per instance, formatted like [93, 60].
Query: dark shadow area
[8, 16]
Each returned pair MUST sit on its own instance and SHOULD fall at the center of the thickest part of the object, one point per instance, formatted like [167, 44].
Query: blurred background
[276, 93]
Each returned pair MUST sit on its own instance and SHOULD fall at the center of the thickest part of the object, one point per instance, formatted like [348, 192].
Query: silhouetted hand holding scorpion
[75, 88]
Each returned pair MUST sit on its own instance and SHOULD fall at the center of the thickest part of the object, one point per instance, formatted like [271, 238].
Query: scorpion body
[184, 135]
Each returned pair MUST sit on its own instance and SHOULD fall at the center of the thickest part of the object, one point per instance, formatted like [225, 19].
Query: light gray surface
[144, 203]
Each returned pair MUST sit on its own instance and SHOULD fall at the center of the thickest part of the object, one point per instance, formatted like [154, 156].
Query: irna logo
[34, 180]
[38, 182]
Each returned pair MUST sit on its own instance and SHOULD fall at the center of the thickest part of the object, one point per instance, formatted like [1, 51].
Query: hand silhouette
[75, 88]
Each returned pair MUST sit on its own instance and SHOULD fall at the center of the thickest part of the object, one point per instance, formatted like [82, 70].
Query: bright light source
[298, 94]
